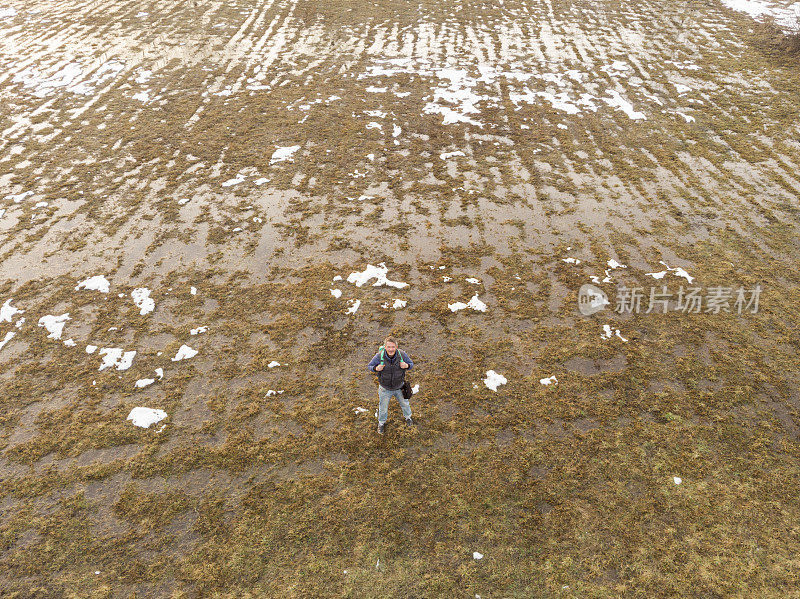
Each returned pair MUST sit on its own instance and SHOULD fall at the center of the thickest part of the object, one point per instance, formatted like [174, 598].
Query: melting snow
[374, 272]
[284, 153]
[473, 303]
[96, 283]
[494, 380]
[235, 181]
[358, 410]
[6, 339]
[398, 303]
[551, 380]
[54, 324]
[354, 304]
[607, 333]
[617, 101]
[446, 155]
[477, 555]
[144, 417]
[90, 349]
[184, 352]
[114, 356]
[337, 293]
[7, 311]
[677, 271]
[198, 330]
[141, 297]
[677, 480]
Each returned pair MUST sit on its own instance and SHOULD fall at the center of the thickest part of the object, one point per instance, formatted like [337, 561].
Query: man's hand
[403, 365]
[379, 367]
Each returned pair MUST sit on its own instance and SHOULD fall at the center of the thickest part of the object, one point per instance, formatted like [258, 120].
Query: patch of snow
[142, 383]
[354, 304]
[184, 353]
[7, 311]
[114, 356]
[198, 330]
[90, 349]
[141, 297]
[54, 324]
[446, 155]
[473, 303]
[337, 293]
[283, 153]
[273, 364]
[235, 181]
[7, 338]
[95, 283]
[551, 380]
[374, 272]
[617, 101]
[493, 380]
[144, 417]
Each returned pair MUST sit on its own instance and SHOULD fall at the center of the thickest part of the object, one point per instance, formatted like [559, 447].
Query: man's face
[391, 348]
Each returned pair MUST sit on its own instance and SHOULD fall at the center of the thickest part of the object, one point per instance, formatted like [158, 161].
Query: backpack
[382, 351]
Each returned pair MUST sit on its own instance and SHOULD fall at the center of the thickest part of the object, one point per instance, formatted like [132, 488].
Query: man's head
[390, 345]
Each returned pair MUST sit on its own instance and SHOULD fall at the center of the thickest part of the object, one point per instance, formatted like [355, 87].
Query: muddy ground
[234, 159]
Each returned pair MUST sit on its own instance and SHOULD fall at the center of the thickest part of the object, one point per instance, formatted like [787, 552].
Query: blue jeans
[384, 395]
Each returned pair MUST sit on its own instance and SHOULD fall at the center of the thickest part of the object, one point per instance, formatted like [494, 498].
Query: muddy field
[215, 211]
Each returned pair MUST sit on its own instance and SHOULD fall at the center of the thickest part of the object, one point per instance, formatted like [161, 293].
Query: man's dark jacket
[392, 376]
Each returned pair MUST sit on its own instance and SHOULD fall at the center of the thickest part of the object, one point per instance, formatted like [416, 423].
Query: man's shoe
[381, 427]
[409, 422]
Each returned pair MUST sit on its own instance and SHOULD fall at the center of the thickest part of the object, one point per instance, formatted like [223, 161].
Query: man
[390, 364]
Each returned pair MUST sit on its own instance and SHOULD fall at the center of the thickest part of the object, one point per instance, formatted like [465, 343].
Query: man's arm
[407, 360]
[374, 362]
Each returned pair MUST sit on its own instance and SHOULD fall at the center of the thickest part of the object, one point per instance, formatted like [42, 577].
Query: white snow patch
[114, 356]
[354, 304]
[54, 324]
[141, 297]
[283, 153]
[198, 330]
[144, 417]
[184, 353]
[446, 155]
[614, 264]
[142, 383]
[473, 303]
[374, 272]
[337, 293]
[7, 311]
[398, 303]
[358, 410]
[235, 181]
[493, 380]
[273, 364]
[5, 13]
[677, 480]
[551, 380]
[7, 338]
[476, 555]
[90, 349]
[95, 283]
[617, 101]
